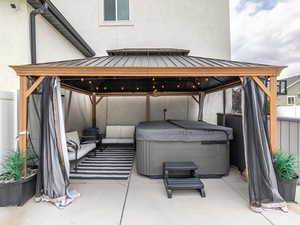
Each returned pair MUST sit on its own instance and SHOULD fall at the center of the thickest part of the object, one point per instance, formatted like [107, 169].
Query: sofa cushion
[127, 131]
[73, 136]
[115, 131]
[117, 141]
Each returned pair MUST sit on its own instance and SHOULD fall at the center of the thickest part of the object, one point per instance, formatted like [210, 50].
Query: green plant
[13, 166]
[285, 165]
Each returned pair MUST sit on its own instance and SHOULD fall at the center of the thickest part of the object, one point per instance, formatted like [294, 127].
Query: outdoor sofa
[119, 134]
[76, 148]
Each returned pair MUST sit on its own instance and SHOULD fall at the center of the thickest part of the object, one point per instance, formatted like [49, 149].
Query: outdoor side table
[176, 181]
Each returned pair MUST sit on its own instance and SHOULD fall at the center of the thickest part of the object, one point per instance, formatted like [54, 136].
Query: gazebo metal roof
[146, 71]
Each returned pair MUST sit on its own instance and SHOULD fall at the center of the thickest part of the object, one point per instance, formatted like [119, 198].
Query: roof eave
[243, 71]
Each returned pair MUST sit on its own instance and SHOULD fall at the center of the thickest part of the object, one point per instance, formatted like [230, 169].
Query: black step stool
[175, 180]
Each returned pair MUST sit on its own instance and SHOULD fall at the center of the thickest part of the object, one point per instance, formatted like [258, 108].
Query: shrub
[286, 165]
[13, 166]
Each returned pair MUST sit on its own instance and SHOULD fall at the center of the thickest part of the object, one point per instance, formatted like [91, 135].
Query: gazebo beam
[153, 94]
[242, 71]
[262, 86]
[196, 100]
[225, 86]
[34, 86]
[75, 89]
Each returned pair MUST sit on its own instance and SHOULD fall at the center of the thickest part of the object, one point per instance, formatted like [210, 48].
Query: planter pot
[287, 188]
[18, 192]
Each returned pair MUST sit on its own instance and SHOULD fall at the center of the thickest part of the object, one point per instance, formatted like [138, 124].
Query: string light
[90, 82]
[153, 79]
[82, 79]
[122, 88]
[153, 86]
[178, 85]
[206, 79]
[97, 88]
[194, 86]
[162, 86]
[198, 83]
[137, 88]
[105, 88]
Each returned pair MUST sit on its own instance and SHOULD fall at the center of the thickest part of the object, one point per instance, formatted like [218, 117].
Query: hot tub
[205, 144]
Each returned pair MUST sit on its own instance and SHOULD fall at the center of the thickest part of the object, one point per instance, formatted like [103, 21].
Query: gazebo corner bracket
[262, 86]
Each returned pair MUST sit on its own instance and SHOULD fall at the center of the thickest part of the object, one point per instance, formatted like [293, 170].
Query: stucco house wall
[199, 25]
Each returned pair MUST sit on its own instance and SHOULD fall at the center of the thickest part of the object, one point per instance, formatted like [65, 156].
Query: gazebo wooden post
[224, 107]
[94, 103]
[273, 113]
[94, 110]
[148, 108]
[24, 93]
[23, 121]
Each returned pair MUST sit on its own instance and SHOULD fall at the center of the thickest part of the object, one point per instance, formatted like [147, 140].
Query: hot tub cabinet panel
[211, 156]
[211, 159]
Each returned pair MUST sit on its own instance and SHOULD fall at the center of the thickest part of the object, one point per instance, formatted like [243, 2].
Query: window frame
[116, 22]
[293, 97]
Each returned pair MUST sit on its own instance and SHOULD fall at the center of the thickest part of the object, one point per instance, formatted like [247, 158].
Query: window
[116, 10]
[291, 100]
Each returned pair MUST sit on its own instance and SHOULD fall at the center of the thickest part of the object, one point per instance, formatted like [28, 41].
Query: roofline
[293, 83]
[81, 71]
[56, 18]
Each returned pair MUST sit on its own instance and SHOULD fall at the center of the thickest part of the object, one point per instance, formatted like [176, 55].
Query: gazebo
[148, 72]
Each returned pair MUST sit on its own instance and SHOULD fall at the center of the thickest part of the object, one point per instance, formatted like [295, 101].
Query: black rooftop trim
[148, 51]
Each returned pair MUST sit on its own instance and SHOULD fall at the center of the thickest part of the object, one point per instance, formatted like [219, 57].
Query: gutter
[32, 27]
[46, 9]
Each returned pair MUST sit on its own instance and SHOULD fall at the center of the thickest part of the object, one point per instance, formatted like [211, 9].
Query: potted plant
[286, 170]
[16, 189]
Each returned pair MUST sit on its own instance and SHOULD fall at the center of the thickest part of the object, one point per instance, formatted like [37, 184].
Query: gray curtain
[53, 178]
[263, 190]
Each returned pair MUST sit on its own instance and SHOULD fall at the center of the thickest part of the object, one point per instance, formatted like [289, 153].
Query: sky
[267, 31]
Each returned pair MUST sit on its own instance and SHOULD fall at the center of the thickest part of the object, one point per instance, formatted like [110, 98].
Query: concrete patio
[144, 202]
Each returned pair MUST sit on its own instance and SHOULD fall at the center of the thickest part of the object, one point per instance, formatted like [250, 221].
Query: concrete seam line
[126, 194]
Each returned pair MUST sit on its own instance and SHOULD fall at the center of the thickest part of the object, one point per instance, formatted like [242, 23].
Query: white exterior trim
[103, 23]
[291, 96]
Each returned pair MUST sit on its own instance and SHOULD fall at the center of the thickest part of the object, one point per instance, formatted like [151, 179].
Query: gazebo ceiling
[146, 71]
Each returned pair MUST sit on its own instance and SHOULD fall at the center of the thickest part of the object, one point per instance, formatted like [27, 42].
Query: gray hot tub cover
[181, 130]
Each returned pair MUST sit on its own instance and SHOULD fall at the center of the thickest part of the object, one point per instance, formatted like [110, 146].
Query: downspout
[32, 26]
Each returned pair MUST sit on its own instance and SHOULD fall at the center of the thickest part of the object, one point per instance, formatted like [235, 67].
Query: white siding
[199, 25]
[8, 126]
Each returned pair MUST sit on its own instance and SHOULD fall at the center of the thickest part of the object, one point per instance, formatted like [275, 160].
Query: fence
[8, 123]
[289, 136]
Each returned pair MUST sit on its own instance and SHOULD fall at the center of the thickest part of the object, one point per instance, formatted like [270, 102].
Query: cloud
[267, 32]
[259, 4]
